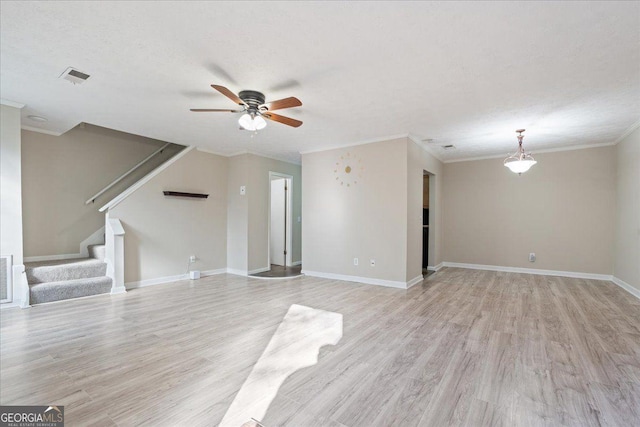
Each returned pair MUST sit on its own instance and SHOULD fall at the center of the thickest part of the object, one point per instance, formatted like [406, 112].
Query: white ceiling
[461, 73]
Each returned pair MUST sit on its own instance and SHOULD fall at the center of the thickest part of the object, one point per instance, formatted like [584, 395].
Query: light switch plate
[243, 190]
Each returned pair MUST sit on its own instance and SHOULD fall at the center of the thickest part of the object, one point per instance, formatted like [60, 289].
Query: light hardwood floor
[463, 347]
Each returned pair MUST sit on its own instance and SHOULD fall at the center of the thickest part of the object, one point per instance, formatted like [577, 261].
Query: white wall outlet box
[532, 257]
[372, 262]
[195, 274]
[243, 190]
[192, 258]
[355, 261]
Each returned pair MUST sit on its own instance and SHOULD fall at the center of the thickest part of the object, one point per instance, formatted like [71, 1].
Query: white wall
[162, 232]
[627, 232]
[11, 192]
[563, 209]
[344, 219]
[59, 173]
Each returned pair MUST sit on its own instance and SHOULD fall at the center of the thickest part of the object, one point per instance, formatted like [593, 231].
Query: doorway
[280, 241]
[427, 196]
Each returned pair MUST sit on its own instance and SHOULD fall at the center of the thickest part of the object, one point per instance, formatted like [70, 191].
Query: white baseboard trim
[435, 268]
[294, 263]
[573, 274]
[415, 281]
[155, 281]
[6, 305]
[237, 272]
[52, 257]
[358, 279]
[168, 279]
[213, 272]
[627, 287]
[118, 291]
[259, 270]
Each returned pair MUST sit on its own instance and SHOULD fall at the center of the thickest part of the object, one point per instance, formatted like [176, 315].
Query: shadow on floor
[426, 273]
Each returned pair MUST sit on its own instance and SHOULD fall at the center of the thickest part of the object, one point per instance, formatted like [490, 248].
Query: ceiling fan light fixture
[520, 161]
[252, 122]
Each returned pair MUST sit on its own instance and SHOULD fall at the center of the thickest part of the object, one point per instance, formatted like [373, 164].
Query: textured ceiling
[459, 73]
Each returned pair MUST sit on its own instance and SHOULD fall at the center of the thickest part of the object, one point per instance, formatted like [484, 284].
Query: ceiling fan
[255, 109]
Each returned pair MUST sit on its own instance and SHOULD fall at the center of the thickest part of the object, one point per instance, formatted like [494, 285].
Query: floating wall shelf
[181, 194]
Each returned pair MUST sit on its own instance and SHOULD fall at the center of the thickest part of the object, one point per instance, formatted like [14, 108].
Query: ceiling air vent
[449, 147]
[74, 76]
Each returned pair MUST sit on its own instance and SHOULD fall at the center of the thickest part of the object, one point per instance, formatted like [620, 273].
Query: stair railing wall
[126, 174]
[114, 253]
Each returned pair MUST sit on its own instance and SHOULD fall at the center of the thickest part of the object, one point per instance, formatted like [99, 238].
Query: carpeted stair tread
[97, 251]
[61, 270]
[66, 289]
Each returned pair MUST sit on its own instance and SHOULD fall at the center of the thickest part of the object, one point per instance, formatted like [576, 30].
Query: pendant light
[520, 161]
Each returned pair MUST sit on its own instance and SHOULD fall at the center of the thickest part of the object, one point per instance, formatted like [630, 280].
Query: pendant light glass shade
[519, 165]
[252, 123]
[520, 161]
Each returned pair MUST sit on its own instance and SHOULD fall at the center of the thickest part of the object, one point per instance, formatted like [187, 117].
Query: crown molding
[39, 130]
[627, 132]
[205, 150]
[266, 156]
[355, 144]
[424, 146]
[549, 150]
[13, 104]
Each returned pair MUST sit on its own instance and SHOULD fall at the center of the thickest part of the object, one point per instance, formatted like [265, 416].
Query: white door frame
[289, 226]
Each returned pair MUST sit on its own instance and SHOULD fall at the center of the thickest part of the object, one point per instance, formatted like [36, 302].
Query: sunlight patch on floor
[295, 345]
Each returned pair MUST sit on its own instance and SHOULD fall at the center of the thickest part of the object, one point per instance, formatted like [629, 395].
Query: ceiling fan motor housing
[252, 98]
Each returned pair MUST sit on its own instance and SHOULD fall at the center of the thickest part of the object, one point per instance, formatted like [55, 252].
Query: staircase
[59, 280]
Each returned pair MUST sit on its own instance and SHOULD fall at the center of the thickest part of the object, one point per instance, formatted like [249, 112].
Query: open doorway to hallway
[427, 203]
[280, 228]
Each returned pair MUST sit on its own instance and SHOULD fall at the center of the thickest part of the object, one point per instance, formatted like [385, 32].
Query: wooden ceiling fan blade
[208, 110]
[282, 119]
[226, 92]
[280, 104]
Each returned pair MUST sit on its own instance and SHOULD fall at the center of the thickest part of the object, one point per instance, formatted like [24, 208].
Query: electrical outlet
[532, 257]
[192, 258]
[243, 190]
[372, 262]
[355, 261]
[299, 219]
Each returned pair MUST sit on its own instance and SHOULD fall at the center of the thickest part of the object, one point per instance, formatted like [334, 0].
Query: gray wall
[162, 232]
[563, 209]
[627, 232]
[258, 196]
[59, 173]
[248, 230]
[238, 214]
[418, 161]
[365, 220]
